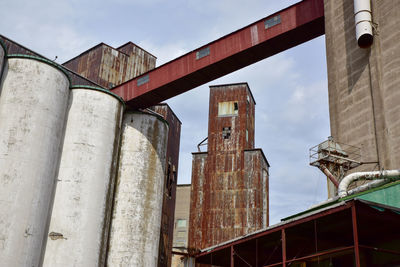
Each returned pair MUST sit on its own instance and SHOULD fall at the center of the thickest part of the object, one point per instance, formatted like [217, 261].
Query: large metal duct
[33, 106]
[135, 227]
[81, 212]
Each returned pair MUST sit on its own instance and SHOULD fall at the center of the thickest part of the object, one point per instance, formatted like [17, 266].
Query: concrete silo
[135, 227]
[81, 213]
[33, 105]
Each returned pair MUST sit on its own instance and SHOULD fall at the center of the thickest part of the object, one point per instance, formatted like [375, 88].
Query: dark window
[143, 80]
[272, 21]
[226, 132]
[203, 53]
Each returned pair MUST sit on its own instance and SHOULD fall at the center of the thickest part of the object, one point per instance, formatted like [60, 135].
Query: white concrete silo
[81, 212]
[135, 227]
[33, 106]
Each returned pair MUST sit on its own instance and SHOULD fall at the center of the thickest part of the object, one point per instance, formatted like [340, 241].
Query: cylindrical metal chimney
[363, 21]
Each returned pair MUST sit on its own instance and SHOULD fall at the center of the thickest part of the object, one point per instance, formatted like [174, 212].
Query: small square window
[181, 223]
[226, 132]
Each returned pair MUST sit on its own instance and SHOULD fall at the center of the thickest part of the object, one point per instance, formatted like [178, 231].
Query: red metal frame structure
[354, 233]
[287, 28]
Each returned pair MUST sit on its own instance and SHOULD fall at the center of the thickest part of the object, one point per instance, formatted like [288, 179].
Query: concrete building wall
[33, 105]
[136, 221]
[364, 100]
[181, 226]
[228, 190]
[81, 213]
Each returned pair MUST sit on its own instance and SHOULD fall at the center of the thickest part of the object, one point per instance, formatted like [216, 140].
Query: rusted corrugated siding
[140, 61]
[197, 199]
[109, 67]
[170, 181]
[227, 185]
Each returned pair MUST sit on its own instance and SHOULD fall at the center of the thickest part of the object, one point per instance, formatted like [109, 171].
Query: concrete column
[364, 100]
[135, 228]
[81, 213]
[33, 106]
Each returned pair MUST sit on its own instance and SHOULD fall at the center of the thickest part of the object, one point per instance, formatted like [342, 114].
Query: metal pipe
[367, 186]
[325, 170]
[380, 175]
[363, 22]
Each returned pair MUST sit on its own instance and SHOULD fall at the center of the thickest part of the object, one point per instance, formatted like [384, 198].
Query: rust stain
[56, 236]
[108, 66]
[229, 194]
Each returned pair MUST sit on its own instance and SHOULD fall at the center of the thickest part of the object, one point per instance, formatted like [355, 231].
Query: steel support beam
[232, 257]
[355, 235]
[285, 29]
[283, 248]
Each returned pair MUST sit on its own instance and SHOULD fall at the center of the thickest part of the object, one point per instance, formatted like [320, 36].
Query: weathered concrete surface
[33, 105]
[81, 213]
[364, 95]
[135, 228]
[181, 230]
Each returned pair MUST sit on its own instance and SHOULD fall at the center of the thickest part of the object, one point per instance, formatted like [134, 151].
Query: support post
[256, 252]
[283, 247]
[355, 235]
[232, 257]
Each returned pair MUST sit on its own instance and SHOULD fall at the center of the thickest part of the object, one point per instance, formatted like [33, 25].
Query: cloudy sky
[290, 88]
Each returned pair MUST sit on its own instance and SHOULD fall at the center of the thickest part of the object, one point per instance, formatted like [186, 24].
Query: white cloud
[290, 88]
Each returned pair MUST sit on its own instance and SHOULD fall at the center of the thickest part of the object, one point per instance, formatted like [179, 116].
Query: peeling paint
[56, 236]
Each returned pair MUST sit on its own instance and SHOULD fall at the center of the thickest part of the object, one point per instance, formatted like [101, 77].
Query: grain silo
[82, 207]
[33, 104]
[135, 228]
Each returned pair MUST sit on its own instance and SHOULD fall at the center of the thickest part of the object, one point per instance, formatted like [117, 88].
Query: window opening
[229, 108]
[226, 132]
[272, 21]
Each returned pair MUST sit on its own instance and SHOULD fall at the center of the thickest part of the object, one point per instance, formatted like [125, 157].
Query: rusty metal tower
[229, 196]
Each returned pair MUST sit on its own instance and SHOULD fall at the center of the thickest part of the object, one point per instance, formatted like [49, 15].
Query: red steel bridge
[282, 30]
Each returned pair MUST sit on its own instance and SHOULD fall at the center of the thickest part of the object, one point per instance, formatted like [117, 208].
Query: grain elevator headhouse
[229, 195]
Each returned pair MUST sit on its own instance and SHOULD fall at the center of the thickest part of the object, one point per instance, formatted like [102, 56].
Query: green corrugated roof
[388, 194]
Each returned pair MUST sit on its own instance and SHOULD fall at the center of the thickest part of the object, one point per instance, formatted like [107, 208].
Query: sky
[290, 88]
